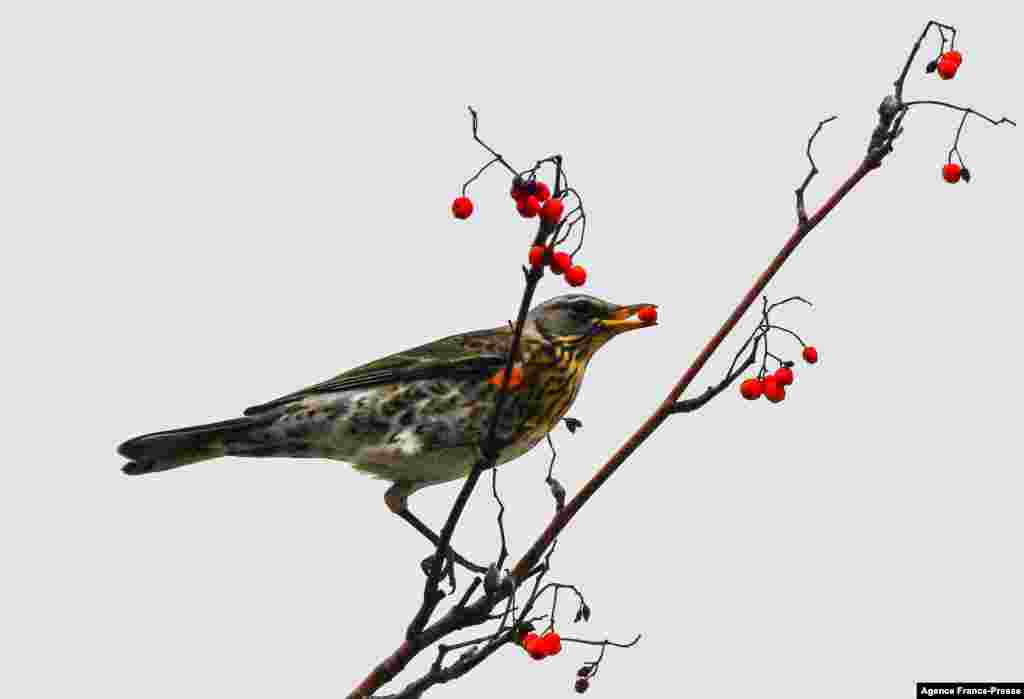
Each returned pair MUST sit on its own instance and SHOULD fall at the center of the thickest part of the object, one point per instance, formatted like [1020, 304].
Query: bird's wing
[476, 353]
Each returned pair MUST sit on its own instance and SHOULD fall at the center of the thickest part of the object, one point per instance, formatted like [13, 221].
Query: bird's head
[586, 320]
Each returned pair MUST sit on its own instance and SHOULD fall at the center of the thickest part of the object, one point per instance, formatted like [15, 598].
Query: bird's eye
[580, 308]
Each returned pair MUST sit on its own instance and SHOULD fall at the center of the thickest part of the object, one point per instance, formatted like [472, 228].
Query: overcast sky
[206, 205]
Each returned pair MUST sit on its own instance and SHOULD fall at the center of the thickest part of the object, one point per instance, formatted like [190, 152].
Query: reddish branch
[463, 615]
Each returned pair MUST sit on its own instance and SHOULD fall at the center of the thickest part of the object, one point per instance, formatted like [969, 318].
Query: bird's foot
[396, 502]
[447, 571]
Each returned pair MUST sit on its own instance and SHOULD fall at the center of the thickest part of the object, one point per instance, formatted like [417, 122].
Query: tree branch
[420, 635]
[667, 407]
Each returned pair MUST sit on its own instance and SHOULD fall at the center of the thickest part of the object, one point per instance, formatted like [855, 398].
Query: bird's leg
[395, 498]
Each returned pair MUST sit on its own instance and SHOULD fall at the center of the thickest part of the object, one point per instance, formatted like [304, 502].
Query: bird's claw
[427, 565]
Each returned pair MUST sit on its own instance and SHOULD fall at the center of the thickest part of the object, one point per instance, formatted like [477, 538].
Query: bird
[418, 417]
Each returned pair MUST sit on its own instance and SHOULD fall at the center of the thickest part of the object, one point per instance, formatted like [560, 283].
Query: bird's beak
[621, 319]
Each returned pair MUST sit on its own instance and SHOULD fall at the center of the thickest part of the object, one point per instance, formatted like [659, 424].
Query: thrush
[417, 417]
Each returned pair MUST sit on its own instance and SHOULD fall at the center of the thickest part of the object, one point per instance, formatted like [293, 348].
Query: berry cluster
[559, 262]
[773, 386]
[533, 198]
[540, 647]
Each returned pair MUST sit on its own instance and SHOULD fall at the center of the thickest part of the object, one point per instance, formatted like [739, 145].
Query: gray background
[209, 204]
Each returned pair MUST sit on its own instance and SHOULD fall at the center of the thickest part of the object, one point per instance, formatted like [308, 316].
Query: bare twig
[557, 490]
[688, 406]
[957, 108]
[497, 157]
[503, 554]
[801, 212]
[613, 644]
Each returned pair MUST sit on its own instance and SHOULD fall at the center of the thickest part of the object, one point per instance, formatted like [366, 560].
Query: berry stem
[787, 330]
[496, 159]
[966, 110]
[476, 137]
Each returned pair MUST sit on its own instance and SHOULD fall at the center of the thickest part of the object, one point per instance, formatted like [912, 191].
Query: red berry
[951, 173]
[552, 211]
[537, 256]
[542, 192]
[773, 390]
[810, 354]
[560, 262]
[751, 389]
[954, 56]
[462, 207]
[532, 644]
[648, 314]
[528, 206]
[576, 276]
[947, 68]
[785, 375]
[582, 684]
[550, 643]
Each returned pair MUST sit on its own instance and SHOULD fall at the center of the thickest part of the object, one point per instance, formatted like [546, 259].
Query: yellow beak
[622, 319]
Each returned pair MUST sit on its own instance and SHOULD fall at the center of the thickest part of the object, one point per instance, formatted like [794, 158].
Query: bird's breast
[555, 384]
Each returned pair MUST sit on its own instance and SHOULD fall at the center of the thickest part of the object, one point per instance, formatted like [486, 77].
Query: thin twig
[567, 639]
[966, 110]
[801, 212]
[503, 554]
[688, 406]
[497, 156]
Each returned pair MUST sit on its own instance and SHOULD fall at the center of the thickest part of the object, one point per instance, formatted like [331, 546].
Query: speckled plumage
[416, 417]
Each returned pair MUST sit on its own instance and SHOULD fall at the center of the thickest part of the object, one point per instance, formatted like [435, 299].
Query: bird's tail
[160, 451]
